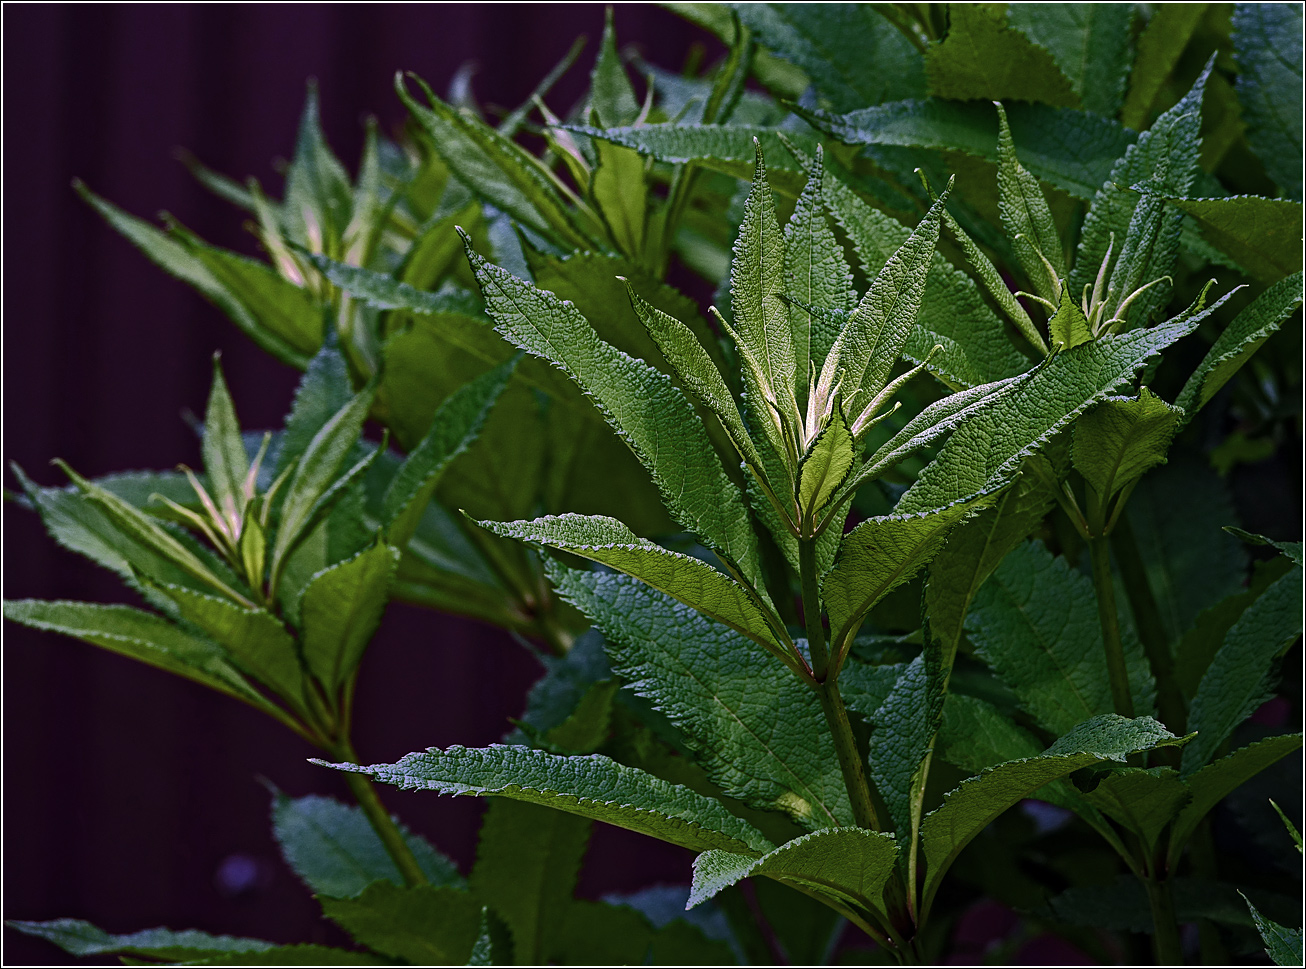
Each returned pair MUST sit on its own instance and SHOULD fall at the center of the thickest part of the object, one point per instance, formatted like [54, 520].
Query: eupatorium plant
[825, 585]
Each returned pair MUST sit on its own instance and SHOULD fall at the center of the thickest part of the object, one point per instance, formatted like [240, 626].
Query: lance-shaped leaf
[850, 865]
[988, 447]
[317, 473]
[873, 338]
[1159, 48]
[527, 860]
[153, 536]
[697, 371]
[983, 58]
[968, 809]
[904, 728]
[226, 462]
[611, 96]
[816, 274]
[177, 260]
[455, 426]
[323, 390]
[84, 939]
[335, 851]
[1293, 550]
[340, 610]
[1282, 944]
[1267, 44]
[385, 292]
[1088, 42]
[1165, 156]
[688, 579]
[1027, 218]
[655, 419]
[1235, 684]
[825, 466]
[878, 556]
[1263, 236]
[494, 167]
[420, 924]
[317, 186]
[140, 635]
[1121, 439]
[1035, 623]
[254, 638]
[1068, 327]
[1240, 339]
[593, 786]
[728, 148]
[757, 281]
[1210, 785]
[755, 726]
[1144, 801]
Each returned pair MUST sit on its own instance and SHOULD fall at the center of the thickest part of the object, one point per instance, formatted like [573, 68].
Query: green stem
[365, 794]
[1100, 551]
[1151, 630]
[1164, 923]
[827, 689]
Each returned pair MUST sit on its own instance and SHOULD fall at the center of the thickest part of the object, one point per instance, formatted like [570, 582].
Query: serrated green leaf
[611, 96]
[225, 460]
[139, 635]
[688, 579]
[147, 532]
[816, 274]
[975, 735]
[879, 555]
[655, 420]
[1267, 45]
[1146, 233]
[852, 54]
[526, 866]
[1089, 44]
[81, 938]
[1035, 624]
[1144, 801]
[1121, 439]
[850, 865]
[1210, 785]
[593, 786]
[983, 58]
[988, 447]
[1262, 235]
[1026, 216]
[495, 168]
[340, 610]
[1293, 550]
[904, 728]
[318, 196]
[972, 551]
[825, 466]
[1234, 684]
[1068, 327]
[754, 725]
[697, 371]
[1159, 49]
[1175, 514]
[968, 809]
[864, 686]
[254, 638]
[456, 425]
[618, 189]
[728, 148]
[177, 260]
[874, 336]
[384, 292]
[335, 851]
[951, 314]
[1283, 945]
[322, 391]
[317, 474]
[421, 924]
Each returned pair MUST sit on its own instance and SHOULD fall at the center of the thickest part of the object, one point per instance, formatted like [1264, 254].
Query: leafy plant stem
[850, 761]
[1147, 617]
[1100, 550]
[360, 785]
[812, 610]
[1164, 923]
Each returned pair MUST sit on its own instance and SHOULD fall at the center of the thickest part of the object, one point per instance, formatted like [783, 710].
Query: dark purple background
[126, 788]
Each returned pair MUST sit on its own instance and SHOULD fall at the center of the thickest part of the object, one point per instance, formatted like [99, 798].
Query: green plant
[873, 569]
